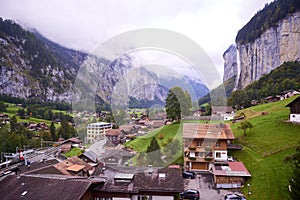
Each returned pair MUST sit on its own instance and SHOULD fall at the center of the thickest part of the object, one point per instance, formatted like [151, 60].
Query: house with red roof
[230, 175]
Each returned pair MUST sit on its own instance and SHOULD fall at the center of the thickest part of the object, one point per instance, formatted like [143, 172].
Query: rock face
[230, 62]
[274, 47]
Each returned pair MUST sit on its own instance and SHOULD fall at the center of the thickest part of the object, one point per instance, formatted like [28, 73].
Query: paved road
[204, 183]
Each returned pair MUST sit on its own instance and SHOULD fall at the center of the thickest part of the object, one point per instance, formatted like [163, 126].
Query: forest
[266, 18]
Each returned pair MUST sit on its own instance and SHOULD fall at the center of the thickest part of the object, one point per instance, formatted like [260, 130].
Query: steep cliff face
[230, 62]
[274, 47]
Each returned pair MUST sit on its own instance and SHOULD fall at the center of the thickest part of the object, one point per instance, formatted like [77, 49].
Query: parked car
[190, 194]
[234, 196]
[189, 174]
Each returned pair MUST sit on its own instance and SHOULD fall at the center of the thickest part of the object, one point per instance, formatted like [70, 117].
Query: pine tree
[52, 131]
[153, 153]
[13, 124]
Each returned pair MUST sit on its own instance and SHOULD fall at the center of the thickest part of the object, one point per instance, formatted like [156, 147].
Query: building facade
[294, 110]
[96, 131]
[205, 144]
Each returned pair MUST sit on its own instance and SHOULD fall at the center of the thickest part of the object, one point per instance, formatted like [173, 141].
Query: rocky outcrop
[230, 62]
[274, 47]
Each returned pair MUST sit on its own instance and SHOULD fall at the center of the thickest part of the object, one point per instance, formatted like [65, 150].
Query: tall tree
[153, 155]
[13, 124]
[178, 103]
[52, 131]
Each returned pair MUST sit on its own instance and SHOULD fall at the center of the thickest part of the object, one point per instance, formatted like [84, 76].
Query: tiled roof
[233, 169]
[210, 131]
[42, 188]
[113, 132]
[159, 180]
[62, 166]
[75, 168]
[37, 165]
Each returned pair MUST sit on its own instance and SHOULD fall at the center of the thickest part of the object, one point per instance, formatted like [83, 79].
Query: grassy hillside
[265, 147]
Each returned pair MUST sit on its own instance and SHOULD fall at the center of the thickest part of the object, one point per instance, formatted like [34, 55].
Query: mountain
[269, 39]
[30, 68]
[33, 67]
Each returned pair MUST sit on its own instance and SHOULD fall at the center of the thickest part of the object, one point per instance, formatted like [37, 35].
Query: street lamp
[248, 188]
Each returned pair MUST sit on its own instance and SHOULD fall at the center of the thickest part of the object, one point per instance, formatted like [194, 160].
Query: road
[204, 184]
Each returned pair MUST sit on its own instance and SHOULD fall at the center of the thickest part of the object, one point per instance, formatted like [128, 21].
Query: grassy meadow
[265, 148]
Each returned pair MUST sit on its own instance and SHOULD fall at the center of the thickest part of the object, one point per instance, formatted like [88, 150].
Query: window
[144, 197]
[218, 154]
[199, 143]
[201, 154]
[218, 144]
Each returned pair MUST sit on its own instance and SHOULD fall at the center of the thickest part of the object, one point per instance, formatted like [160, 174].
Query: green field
[264, 148]
[13, 109]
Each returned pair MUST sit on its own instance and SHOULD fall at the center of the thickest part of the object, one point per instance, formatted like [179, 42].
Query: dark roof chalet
[294, 106]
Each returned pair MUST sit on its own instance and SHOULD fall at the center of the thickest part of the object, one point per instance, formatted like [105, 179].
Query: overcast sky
[83, 25]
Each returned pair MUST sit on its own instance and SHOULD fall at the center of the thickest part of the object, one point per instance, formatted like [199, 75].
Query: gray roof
[43, 188]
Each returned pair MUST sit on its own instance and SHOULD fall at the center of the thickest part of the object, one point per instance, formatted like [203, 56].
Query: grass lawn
[265, 147]
[13, 109]
[74, 152]
[169, 132]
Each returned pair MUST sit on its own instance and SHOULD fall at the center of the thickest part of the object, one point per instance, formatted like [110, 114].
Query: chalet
[294, 110]
[226, 112]
[158, 123]
[74, 167]
[273, 98]
[205, 144]
[231, 175]
[155, 184]
[116, 157]
[129, 129]
[114, 135]
[289, 93]
[4, 118]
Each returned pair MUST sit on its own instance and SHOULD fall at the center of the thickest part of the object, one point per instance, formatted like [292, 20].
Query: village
[105, 170]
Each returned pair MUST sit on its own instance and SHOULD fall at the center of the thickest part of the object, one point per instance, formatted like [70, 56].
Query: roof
[297, 100]
[118, 153]
[91, 155]
[75, 168]
[43, 188]
[113, 132]
[160, 180]
[62, 166]
[207, 131]
[100, 124]
[127, 128]
[221, 109]
[37, 165]
[139, 181]
[233, 169]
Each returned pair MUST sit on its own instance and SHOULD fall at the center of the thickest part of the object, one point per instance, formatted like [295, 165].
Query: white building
[96, 131]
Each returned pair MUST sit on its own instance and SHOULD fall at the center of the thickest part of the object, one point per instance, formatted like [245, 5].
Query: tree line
[285, 77]
[266, 18]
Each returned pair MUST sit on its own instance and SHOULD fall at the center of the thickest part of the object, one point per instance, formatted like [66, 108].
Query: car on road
[190, 194]
[188, 174]
[234, 196]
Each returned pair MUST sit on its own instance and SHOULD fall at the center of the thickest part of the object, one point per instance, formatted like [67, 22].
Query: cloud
[83, 25]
